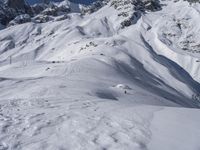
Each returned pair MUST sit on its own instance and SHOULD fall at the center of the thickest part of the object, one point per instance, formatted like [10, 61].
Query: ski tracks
[71, 125]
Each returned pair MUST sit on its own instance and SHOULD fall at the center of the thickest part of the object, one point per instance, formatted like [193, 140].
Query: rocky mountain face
[17, 11]
[11, 8]
[16, 4]
[13, 12]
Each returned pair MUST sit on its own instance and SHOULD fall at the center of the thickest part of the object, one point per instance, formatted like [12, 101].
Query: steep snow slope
[176, 35]
[100, 81]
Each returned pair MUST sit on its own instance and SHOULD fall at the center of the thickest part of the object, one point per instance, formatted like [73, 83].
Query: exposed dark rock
[20, 19]
[16, 4]
[54, 10]
[93, 7]
[38, 8]
[14, 12]
[193, 1]
[12, 8]
[42, 18]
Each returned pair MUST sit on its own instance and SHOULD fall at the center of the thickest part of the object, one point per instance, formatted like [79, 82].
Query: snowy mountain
[112, 75]
[74, 1]
[18, 12]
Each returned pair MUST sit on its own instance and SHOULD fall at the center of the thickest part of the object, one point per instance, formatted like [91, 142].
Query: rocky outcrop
[12, 8]
[19, 6]
[88, 9]
[14, 12]
[16, 4]
[53, 10]
[38, 8]
[193, 1]
[20, 19]
[129, 11]
[44, 13]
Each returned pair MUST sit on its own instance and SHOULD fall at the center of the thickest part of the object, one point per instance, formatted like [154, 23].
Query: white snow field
[85, 83]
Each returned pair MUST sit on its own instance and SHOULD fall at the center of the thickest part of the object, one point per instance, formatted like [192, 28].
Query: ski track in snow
[77, 124]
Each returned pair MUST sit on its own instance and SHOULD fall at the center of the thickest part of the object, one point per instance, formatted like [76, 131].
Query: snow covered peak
[125, 10]
[122, 13]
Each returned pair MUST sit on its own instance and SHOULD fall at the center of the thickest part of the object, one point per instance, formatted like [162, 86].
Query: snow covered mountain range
[31, 2]
[112, 75]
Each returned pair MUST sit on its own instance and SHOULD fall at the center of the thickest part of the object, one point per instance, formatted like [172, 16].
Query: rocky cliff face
[16, 4]
[10, 9]
[14, 12]
[127, 10]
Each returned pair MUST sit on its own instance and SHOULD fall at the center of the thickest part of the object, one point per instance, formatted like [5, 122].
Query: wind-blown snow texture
[116, 79]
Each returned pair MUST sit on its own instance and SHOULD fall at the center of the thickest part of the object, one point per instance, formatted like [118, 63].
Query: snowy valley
[112, 75]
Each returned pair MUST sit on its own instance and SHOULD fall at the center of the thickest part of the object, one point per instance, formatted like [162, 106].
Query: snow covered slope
[118, 78]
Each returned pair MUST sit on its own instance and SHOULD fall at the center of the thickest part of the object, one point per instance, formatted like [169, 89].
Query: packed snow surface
[86, 83]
